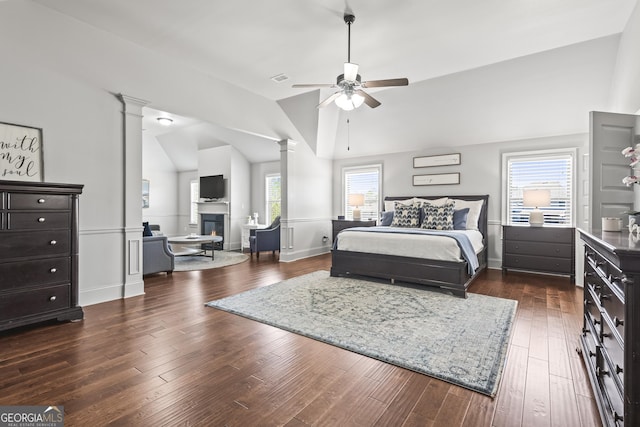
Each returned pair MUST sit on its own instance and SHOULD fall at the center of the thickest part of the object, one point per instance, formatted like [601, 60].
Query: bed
[453, 273]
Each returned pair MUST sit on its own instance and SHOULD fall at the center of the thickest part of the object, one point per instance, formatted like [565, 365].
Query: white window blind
[194, 197]
[273, 197]
[363, 180]
[547, 170]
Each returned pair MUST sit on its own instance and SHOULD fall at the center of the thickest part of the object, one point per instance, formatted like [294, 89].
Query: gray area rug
[197, 262]
[461, 341]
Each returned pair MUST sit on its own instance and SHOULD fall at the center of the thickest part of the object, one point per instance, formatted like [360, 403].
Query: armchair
[266, 239]
[156, 254]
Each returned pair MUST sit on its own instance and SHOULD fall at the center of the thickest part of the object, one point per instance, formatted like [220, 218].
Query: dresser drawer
[613, 309]
[539, 234]
[539, 263]
[38, 220]
[589, 343]
[34, 273]
[612, 397]
[26, 201]
[35, 244]
[37, 301]
[614, 352]
[592, 311]
[539, 248]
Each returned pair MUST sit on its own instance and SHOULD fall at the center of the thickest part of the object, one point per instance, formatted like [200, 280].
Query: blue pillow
[386, 218]
[147, 230]
[460, 219]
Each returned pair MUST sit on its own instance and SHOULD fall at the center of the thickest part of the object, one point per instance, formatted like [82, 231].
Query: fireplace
[213, 223]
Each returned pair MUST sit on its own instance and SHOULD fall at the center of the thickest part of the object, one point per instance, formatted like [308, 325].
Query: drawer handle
[41, 201]
[619, 369]
[588, 274]
[606, 335]
[41, 219]
[617, 417]
[618, 322]
[53, 242]
[587, 302]
[596, 321]
[601, 372]
[52, 298]
[53, 270]
[591, 354]
[626, 280]
[599, 263]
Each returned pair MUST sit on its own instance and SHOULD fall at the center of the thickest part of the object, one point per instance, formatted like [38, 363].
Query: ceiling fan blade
[387, 82]
[368, 99]
[329, 100]
[350, 71]
[315, 85]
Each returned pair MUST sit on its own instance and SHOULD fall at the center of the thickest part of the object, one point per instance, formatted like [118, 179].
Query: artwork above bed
[430, 240]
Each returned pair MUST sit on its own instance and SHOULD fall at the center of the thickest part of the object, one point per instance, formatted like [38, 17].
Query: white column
[132, 215]
[287, 211]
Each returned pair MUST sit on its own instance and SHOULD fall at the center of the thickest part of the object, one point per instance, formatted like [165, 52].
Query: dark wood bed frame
[449, 275]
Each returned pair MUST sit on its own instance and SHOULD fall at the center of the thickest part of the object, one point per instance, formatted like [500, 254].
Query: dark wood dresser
[340, 224]
[38, 252]
[610, 344]
[539, 249]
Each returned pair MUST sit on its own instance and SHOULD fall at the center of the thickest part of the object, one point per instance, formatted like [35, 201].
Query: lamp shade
[349, 100]
[356, 200]
[535, 198]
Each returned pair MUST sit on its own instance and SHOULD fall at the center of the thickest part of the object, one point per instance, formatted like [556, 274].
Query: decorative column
[132, 215]
[287, 182]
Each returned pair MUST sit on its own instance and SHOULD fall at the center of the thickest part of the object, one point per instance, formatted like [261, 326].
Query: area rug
[197, 262]
[461, 341]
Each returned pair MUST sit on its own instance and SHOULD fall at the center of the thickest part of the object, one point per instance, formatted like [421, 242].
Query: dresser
[38, 253]
[611, 324]
[539, 249]
[338, 225]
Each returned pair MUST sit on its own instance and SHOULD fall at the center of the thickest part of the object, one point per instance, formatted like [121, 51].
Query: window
[362, 180]
[273, 197]
[552, 170]
[194, 198]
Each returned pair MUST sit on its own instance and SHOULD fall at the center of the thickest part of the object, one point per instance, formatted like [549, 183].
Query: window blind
[273, 197]
[543, 171]
[194, 196]
[363, 180]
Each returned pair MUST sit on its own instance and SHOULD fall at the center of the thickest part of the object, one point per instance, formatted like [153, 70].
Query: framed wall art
[21, 153]
[441, 160]
[437, 179]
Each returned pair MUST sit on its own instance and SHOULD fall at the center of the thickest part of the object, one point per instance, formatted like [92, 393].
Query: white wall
[625, 92]
[163, 186]
[480, 173]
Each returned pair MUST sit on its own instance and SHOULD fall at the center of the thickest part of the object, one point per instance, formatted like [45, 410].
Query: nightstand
[340, 224]
[539, 249]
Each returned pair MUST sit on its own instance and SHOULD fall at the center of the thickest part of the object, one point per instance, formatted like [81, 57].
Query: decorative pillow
[147, 230]
[406, 216]
[390, 205]
[475, 207]
[437, 217]
[460, 219]
[386, 218]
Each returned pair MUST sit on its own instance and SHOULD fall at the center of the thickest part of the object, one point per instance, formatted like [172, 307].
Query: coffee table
[194, 240]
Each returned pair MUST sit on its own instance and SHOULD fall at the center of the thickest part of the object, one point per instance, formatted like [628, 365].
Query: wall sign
[21, 153]
[442, 160]
[437, 179]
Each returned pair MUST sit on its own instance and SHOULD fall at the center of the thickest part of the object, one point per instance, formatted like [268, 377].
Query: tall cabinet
[611, 324]
[38, 252]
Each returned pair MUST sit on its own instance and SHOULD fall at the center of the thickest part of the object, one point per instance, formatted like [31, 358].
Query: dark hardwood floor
[166, 359]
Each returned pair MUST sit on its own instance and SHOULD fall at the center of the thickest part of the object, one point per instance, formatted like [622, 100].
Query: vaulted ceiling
[479, 71]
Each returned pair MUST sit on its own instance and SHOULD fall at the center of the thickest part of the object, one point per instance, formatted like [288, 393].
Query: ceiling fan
[351, 95]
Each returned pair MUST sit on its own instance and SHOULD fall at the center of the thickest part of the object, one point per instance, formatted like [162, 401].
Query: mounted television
[212, 187]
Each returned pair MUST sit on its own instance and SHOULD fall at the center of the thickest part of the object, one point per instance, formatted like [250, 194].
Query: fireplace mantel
[214, 207]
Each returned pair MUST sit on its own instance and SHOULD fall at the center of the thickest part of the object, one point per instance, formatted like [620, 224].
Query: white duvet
[408, 245]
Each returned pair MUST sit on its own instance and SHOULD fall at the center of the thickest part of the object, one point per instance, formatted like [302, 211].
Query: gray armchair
[266, 239]
[156, 255]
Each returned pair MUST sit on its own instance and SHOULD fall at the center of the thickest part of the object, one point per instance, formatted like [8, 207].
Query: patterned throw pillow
[406, 216]
[437, 217]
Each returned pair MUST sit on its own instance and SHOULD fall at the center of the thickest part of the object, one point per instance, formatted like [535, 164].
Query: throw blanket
[466, 249]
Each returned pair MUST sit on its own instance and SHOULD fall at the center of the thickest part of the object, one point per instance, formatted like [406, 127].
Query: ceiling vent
[280, 78]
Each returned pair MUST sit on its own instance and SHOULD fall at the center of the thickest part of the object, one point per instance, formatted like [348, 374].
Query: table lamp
[535, 198]
[356, 200]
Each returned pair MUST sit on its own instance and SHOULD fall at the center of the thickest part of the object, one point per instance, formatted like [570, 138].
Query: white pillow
[389, 204]
[475, 207]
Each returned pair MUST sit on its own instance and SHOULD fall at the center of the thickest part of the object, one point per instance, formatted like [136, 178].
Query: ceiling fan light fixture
[349, 101]
[350, 71]
[165, 121]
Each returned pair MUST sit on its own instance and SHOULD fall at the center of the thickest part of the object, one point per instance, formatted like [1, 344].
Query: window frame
[547, 154]
[267, 201]
[193, 202]
[345, 209]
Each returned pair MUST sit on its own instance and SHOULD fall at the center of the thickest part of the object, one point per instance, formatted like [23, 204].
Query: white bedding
[408, 245]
